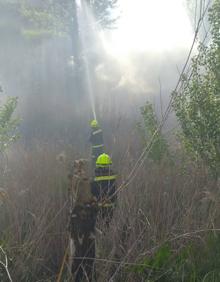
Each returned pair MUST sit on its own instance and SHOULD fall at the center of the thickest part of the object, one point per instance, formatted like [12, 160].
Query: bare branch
[5, 264]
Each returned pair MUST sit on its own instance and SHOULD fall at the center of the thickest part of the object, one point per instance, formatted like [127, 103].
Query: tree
[36, 19]
[8, 124]
[59, 16]
[42, 38]
[48, 18]
[102, 10]
[198, 105]
[147, 129]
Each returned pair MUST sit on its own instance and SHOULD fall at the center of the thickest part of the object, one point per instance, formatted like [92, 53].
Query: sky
[150, 25]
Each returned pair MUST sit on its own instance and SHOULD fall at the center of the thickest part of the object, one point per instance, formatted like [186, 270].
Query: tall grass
[166, 205]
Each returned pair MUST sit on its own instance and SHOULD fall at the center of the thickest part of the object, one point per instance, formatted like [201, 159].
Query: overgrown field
[165, 227]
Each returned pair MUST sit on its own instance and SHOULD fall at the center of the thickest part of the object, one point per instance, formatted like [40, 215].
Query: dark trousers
[106, 213]
[82, 230]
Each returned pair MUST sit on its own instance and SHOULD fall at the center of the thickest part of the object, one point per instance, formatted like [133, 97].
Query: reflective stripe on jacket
[96, 138]
[105, 178]
[98, 146]
[104, 184]
[96, 131]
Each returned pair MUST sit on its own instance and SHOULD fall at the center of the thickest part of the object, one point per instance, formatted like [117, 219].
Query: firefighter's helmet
[103, 160]
[94, 123]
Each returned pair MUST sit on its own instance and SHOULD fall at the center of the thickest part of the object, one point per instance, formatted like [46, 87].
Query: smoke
[40, 71]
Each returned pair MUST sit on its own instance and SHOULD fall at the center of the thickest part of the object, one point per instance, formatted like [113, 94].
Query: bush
[8, 124]
[198, 105]
[195, 262]
[147, 129]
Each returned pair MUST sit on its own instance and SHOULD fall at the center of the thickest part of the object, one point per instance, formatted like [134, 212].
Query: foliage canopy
[198, 105]
[56, 17]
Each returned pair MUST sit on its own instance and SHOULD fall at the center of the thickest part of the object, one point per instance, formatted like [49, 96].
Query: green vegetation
[8, 124]
[53, 18]
[198, 105]
[166, 224]
[195, 262]
[147, 129]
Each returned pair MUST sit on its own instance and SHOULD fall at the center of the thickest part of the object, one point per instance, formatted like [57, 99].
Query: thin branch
[5, 264]
[161, 99]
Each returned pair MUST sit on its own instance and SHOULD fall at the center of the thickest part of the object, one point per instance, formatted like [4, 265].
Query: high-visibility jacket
[103, 186]
[96, 140]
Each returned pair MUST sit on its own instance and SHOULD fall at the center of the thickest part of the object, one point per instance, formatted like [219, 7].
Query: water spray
[82, 15]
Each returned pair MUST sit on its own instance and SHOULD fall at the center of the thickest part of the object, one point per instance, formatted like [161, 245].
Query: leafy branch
[8, 124]
[198, 105]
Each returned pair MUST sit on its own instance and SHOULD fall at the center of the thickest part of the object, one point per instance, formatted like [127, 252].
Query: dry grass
[163, 203]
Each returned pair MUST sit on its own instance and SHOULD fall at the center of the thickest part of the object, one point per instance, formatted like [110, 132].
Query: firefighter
[103, 187]
[82, 224]
[96, 140]
[82, 230]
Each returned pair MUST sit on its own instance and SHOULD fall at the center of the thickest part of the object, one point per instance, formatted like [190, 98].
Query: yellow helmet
[103, 160]
[94, 123]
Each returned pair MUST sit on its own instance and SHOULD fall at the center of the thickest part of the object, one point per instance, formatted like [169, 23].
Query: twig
[5, 264]
[62, 265]
[161, 99]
